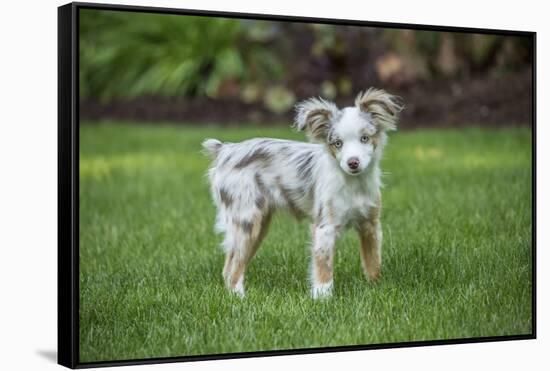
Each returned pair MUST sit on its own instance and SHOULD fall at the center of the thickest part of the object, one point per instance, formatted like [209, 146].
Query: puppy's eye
[337, 143]
[364, 139]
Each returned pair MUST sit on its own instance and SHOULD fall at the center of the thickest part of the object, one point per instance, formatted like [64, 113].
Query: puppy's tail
[211, 148]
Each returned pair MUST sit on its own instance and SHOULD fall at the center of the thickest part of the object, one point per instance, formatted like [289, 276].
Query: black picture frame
[68, 183]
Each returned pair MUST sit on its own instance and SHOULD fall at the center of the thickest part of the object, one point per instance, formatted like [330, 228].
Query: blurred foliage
[125, 55]
[278, 99]
[427, 55]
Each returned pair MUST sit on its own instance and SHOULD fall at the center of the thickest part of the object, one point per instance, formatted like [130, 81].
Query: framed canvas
[394, 165]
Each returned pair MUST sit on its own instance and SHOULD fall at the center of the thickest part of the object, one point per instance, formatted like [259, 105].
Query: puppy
[334, 180]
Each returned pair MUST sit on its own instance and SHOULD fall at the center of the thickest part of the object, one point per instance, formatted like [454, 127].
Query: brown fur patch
[225, 197]
[245, 225]
[383, 107]
[236, 264]
[262, 226]
[375, 211]
[368, 104]
[261, 199]
[260, 202]
[258, 154]
[370, 245]
[238, 271]
[305, 165]
[318, 122]
[332, 150]
[227, 265]
[370, 255]
[375, 139]
[323, 268]
[330, 139]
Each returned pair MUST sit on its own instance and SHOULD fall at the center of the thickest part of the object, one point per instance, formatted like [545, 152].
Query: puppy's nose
[353, 163]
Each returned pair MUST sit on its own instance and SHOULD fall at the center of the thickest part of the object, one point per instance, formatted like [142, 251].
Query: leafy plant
[125, 55]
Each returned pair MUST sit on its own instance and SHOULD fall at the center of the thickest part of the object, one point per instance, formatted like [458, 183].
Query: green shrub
[125, 55]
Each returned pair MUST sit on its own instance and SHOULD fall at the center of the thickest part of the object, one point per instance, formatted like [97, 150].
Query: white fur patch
[239, 287]
[321, 290]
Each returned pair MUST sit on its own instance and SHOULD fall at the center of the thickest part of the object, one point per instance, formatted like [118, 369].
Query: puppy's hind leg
[228, 263]
[243, 239]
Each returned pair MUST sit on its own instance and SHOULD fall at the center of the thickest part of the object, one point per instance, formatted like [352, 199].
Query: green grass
[456, 255]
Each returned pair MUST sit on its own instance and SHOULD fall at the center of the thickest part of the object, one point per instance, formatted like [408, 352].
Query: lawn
[456, 258]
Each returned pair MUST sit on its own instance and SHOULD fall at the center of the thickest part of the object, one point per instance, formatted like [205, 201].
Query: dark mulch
[493, 101]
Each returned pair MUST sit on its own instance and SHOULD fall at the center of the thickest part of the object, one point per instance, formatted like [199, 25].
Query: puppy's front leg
[370, 235]
[324, 237]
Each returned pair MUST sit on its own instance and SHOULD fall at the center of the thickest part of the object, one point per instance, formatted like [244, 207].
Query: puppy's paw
[238, 292]
[238, 289]
[374, 276]
[321, 290]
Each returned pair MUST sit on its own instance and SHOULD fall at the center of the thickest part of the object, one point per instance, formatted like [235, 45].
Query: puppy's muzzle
[353, 163]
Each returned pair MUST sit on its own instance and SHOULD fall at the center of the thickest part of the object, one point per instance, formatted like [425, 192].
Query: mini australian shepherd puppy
[334, 180]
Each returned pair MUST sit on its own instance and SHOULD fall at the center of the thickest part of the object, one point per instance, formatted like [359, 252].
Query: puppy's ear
[384, 108]
[315, 117]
